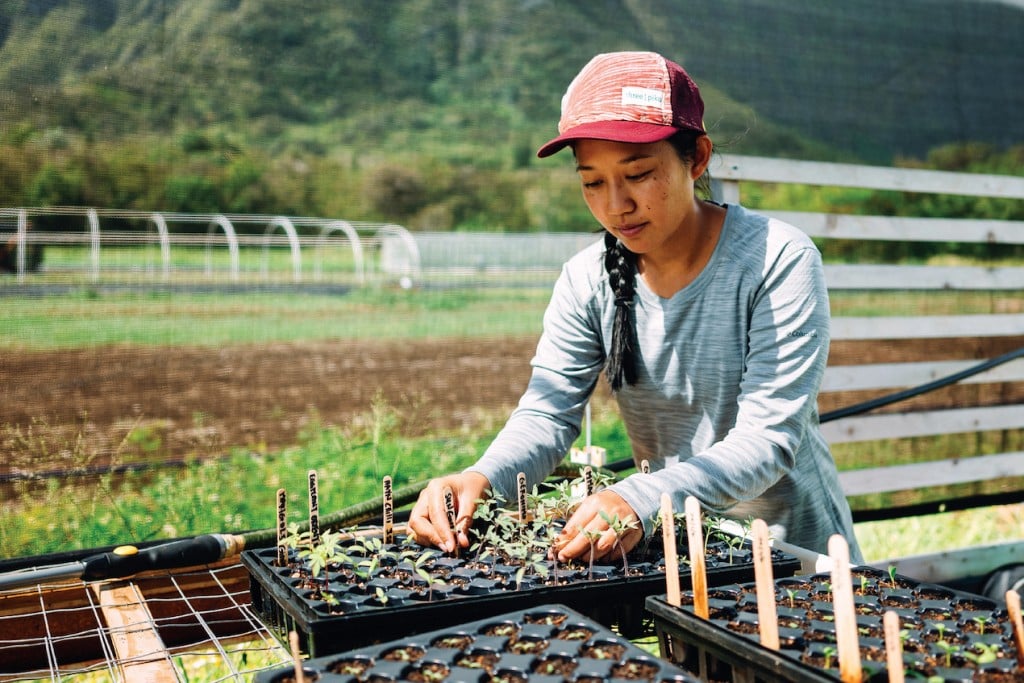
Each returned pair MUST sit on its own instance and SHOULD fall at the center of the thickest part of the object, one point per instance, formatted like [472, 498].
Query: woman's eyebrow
[627, 160]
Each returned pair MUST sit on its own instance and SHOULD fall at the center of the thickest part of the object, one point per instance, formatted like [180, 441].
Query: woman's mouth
[632, 230]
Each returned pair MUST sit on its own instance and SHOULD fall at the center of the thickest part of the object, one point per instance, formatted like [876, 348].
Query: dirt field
[61, 408]
[200, 400]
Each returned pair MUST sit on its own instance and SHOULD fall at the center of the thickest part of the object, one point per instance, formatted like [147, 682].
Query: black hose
[864, 407]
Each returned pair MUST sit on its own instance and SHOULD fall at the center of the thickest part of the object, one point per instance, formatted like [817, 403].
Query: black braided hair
[621, 266]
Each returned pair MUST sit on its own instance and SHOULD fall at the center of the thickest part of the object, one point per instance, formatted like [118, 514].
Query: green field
[93, 316]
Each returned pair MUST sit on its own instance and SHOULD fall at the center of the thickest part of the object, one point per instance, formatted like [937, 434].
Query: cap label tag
[642, 97]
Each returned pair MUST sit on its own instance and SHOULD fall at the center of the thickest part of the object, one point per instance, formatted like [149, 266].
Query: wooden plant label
[314, 509]
[588, 479]
[521, 496]
[767, 615]
[698, 573]
[293, 642]
[668, 537]
[842, 605]
[893, 646]
[449, 508]
[282, 527]
[389, 511]
[1013, 607]
[645, 466]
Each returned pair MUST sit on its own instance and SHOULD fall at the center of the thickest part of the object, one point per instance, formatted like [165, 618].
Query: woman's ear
[701, 157]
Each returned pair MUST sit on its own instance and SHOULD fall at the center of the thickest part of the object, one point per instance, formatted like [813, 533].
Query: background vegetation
[427, 112]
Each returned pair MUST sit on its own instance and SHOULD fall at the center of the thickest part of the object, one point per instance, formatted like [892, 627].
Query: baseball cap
[628, 97]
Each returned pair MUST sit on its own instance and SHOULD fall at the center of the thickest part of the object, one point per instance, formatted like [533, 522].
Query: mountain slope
[864, 79]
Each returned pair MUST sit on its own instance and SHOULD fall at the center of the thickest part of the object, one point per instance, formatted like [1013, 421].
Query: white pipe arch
[353, 238]
[408, 241]
[165, 242]
[224, 224]
[293, 241]
[94, 242]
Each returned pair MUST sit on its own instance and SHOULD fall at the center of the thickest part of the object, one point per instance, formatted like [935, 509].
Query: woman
[710, 321]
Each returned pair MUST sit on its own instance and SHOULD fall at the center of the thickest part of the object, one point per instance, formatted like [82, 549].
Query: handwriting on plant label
[282, 527]
[314, 508]
[389, 512]
[449, 506]
[521, 495]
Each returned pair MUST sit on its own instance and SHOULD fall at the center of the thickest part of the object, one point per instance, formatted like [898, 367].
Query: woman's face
[641, 193]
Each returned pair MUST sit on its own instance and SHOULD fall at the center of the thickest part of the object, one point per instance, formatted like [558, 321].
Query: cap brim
[615, 131]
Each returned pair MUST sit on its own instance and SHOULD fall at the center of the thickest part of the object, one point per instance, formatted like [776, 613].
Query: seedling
[949, 649]
[828, 652]
[982, 653]
[563, 502]
[654, 524]
[425, 574]
[619, 527]
[591, 537]
[322, 555]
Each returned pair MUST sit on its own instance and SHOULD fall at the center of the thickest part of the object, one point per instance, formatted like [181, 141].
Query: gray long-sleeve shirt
[725, 405]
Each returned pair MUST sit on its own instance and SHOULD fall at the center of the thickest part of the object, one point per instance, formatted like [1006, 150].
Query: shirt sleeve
[786, 352]
[546, 423]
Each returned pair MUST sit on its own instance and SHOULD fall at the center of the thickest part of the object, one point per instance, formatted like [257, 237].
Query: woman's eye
[591, 184]
[638, 176]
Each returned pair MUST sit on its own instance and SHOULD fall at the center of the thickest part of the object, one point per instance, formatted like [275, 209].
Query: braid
[621, 266]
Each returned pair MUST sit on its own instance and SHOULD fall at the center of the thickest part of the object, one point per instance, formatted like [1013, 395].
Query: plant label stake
[668, 537]
[1013, 607]
[389, 511]
[694, 537]
[589, 454]
[645, 466]
[893, 646]
[314, 509]
[293, 641]
[588, 479]
[282, 527]
[521, 496]
[767, 616]
[846, 617]
[449, 508]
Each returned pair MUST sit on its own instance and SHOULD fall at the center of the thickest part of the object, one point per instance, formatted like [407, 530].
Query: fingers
[429, 519]
[588, 529]
[428, 522]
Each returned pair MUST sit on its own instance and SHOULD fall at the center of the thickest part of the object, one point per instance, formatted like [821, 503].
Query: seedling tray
[387, 607]
[945, 631]
[546, 644]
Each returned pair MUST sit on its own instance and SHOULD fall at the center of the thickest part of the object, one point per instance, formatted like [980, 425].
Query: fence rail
[941, 344]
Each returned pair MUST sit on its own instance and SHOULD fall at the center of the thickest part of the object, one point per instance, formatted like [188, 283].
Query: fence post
[20, 256]
[94, 242]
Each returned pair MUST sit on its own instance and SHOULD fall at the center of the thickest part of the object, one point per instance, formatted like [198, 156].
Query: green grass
[92, 318]
[233, 494]
[237, 493]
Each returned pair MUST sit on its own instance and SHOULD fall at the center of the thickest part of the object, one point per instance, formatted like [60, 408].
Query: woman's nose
[620, 200]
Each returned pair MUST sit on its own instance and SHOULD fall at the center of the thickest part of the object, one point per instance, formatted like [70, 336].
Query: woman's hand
[587, 524]
[429, 518]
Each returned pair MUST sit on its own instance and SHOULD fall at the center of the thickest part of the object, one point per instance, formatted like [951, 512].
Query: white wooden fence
[988, 330]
